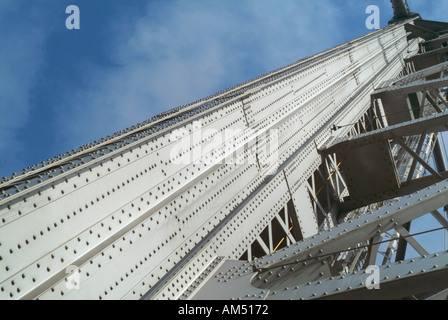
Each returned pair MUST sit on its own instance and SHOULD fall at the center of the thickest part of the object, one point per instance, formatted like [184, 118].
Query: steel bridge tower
[289, 186]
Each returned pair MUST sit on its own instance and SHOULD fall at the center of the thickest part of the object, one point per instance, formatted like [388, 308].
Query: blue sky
[132, 59]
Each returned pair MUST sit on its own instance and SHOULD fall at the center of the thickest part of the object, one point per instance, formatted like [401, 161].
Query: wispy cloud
[169, 54]
[181, 51]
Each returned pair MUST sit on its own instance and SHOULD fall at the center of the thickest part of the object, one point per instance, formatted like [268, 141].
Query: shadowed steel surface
[400, 9]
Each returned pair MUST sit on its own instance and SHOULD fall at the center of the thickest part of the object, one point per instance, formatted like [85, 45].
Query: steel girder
[126, 218]
[285, 273]
[296, 169]
[303, 270]
[395, 281]
[412, 277]
[369, 155]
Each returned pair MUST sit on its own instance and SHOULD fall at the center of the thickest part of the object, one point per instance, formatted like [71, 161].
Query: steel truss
[268, 190]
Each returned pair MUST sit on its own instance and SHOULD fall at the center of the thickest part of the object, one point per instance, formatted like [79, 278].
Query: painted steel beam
[436, 69]
[394, 281]
[411, 88]
[437, 43]
[289, 273]
[441, 295]
[271, 271]
[303, 157]
[420, 32]
[428, 59]
[436, 26]
[369, 156]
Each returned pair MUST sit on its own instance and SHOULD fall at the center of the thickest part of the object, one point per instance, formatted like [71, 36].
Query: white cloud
[173, 54]
[186, 50]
